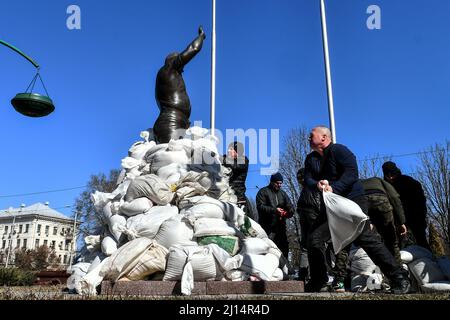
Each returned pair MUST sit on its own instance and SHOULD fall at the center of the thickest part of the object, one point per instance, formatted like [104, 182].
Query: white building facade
[34, 226]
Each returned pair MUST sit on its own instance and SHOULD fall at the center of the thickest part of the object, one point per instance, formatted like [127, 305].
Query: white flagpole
[213, 69]
[327, 69]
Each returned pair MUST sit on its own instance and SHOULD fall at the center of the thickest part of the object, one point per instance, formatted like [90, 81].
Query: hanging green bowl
[33, 104]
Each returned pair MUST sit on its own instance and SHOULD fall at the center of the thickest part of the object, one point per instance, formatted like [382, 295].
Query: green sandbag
[228, 243]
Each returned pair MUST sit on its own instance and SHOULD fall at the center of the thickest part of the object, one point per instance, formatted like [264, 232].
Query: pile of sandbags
[174, 216]
[431, 274]
[365, 275]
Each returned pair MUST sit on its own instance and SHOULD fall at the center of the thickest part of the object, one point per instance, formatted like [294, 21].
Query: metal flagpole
[213, 69]
[327, 69]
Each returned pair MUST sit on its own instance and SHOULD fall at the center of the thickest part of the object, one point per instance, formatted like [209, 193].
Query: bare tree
[91, 222]
[371, 167]
[434, 174]
[295, 149]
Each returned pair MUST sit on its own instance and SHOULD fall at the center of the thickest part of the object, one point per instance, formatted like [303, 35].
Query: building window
[65, 259]
[4, 244]
[6, 229]
[18, 244]
[61, 245]
[27, 228]
[39, 228]
[55, 230]
[24, 243]
[36, 243]
[67, 245]
[53, 244]
[59, 258]
[20, 228]
[45, 242]
[47, 230]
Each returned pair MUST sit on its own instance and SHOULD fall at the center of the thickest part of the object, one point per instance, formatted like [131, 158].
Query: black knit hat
[276, 177]
[391, 168]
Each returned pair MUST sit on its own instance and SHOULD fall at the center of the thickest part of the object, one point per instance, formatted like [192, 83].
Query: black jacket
[267, 202]
[413, 200]
[338, 166]
[239, 169]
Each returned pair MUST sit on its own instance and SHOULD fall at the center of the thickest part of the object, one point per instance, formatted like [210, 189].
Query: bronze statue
[171, 95]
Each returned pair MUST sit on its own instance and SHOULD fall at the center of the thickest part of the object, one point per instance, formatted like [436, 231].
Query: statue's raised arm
[170, 92]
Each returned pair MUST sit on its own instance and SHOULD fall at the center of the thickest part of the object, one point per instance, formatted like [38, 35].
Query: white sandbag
[151, 261]
[92, 242]
[225, 261]
[140, 148]
[175, 231]
[165, 157]
[115, 223]
[444, 265]
[136, 206]
[346, 220]
[74, 282]
[208, 207]
[278, 275]
[147, 224]
[426, 271]
[195, 132]
[442, 286]
[256, 229]
[93, 279]
[161, 147]
[100, 199]
[125, 258]
[80, 268]
[374, 281]
[171, 173]
[109, 246]
[189, 264]
[214, 227]
[254, 246]
[360, 263]
[131, 163]
[94, 264]
[414, 252]
[188, 185]
[151, 187]
[261, 266]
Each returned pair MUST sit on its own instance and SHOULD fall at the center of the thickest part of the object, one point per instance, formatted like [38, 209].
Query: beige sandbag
[151, 261]
[151, 187]
[175, 231]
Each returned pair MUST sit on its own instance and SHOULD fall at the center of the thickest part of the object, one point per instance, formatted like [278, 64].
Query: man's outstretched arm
[193, 48]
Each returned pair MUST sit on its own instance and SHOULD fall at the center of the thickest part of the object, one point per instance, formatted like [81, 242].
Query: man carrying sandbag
[386, 212]
[274, 207]
[332, 168]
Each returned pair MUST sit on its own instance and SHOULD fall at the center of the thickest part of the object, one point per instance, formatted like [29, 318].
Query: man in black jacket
[274, 207]
[413, 201]
[238, 163]
[333, 168]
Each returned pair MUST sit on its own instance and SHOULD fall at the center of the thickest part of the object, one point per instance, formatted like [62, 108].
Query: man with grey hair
[333, 168]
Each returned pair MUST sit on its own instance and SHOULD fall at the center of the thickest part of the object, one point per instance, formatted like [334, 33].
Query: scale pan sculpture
[28, 103]
[170, 93]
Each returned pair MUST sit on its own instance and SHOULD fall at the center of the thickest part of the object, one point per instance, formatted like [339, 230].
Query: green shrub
[16, 277]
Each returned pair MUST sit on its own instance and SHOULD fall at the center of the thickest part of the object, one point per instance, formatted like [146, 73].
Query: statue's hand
[201, 32]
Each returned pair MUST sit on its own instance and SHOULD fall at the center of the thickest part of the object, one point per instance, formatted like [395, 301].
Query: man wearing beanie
[413, 201]
[238, 163]
[274, 207]
[333, 168]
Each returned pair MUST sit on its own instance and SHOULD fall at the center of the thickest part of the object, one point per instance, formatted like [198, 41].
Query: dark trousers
[369, 240]
[382, 217]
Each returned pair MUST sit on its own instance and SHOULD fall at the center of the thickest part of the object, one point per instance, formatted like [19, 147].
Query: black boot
[400, 284]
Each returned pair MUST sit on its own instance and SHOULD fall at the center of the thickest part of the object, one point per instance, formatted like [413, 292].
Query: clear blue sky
[391, 86]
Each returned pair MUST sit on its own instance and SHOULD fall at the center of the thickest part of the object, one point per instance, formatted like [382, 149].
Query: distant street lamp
[11, 234]
[28, 103]
[74, 239]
